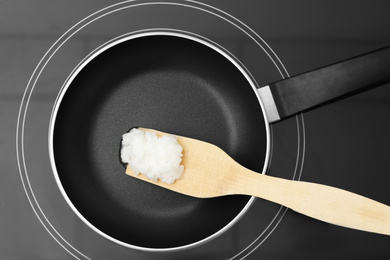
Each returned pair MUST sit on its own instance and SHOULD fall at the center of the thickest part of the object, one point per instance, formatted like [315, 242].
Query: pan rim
[131, 36]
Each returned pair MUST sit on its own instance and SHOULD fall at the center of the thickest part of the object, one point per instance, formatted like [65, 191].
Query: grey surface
[347, 144]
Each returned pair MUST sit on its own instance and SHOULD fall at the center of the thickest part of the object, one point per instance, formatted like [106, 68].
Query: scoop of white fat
[155, 157]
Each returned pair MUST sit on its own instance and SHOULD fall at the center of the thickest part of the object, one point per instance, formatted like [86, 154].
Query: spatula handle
[329, 204]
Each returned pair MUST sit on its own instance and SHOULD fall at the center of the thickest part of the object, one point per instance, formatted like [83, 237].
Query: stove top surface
[345, 144]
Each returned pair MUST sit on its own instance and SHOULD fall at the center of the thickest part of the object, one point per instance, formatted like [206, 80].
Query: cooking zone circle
[40, 70]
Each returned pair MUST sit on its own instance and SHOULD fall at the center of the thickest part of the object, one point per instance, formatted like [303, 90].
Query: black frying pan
[184, 85]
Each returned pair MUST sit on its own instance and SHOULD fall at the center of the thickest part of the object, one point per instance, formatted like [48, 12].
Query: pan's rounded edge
[126, 37]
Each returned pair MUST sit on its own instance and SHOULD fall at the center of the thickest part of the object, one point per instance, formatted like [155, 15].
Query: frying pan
[177, 82]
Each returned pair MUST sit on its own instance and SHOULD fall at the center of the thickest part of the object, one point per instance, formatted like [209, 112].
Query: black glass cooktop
[345, 144]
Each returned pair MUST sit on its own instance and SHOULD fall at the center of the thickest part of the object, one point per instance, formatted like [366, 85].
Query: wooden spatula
[210, 172]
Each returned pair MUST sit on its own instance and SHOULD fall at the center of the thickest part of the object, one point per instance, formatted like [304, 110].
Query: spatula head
[208, 170]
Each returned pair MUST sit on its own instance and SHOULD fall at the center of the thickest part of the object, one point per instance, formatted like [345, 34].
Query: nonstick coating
[163, 82]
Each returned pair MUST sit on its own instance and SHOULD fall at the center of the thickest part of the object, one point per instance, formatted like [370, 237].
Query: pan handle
[284, 98]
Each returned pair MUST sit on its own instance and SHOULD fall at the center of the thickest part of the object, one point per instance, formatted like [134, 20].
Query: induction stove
[345, 144]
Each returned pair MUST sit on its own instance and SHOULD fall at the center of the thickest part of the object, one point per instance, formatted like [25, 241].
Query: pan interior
[163, 82]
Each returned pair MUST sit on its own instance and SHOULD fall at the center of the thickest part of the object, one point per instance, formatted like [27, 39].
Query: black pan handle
[296, 94]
